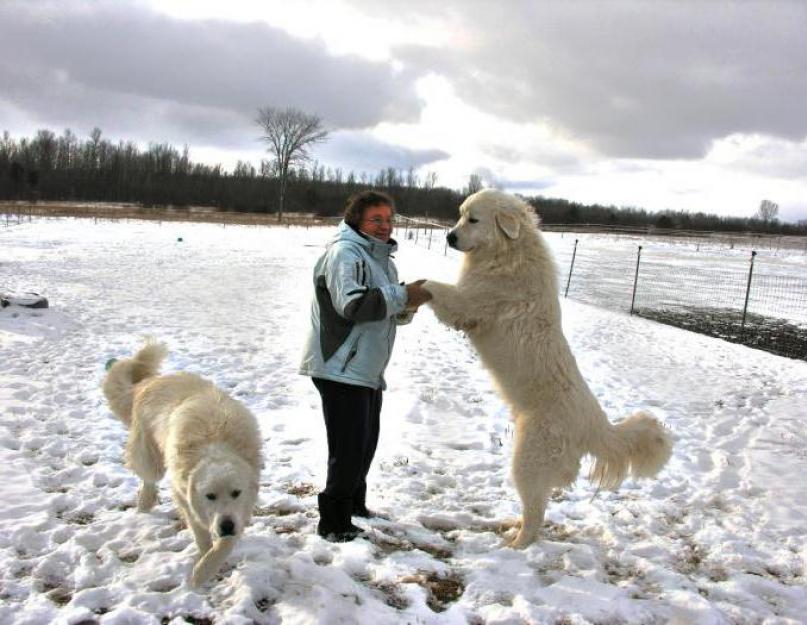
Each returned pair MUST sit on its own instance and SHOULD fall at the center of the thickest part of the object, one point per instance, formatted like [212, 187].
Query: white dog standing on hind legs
[209, 442]
[506, 300]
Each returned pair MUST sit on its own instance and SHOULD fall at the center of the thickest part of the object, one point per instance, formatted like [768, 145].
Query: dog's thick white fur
[209, 443]
[506, 300]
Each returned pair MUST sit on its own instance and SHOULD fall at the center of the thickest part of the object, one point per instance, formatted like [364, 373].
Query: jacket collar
[375, 247]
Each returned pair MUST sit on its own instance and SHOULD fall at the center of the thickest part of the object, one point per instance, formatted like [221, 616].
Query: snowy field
[718, 539]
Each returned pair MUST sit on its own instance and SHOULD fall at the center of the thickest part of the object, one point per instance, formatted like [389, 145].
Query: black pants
[352, 423]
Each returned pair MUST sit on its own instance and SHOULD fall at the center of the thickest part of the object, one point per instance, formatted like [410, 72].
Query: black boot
[360, 504]
[334, 520]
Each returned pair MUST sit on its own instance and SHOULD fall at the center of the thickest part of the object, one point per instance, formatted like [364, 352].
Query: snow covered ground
[719, 538]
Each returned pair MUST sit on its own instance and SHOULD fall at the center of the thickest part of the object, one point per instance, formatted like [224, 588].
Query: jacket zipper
[352, 353]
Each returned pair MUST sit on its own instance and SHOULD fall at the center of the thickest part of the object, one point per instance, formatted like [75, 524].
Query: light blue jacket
[356, 307]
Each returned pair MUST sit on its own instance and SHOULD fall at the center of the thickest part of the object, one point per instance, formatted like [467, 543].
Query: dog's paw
[198, 578]
[201, 574]
[521, 541]
[147, 498]
[504, 543]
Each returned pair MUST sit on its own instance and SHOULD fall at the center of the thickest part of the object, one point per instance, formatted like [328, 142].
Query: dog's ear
[508, 224]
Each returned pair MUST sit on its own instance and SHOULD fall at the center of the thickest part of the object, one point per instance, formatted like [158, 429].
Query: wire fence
[428, 234]
[719, 291]
[764, 311]
[732, 298]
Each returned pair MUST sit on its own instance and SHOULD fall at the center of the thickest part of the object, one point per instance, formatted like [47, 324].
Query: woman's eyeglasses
[378, 221]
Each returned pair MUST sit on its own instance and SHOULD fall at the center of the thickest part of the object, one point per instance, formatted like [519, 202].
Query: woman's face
[377, 222]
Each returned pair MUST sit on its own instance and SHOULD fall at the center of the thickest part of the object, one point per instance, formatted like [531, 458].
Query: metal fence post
[748, 289]
[445, 245]
[429, 246]
[571, 268]
[635, 279]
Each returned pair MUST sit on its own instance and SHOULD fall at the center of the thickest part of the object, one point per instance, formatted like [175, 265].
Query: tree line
[66, 168]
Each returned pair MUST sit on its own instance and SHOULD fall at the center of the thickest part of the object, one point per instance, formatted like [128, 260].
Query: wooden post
[635, 279]
[748, 289]
[571, 268]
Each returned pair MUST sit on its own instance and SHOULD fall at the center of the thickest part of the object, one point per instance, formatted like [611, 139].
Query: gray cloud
[127, 68]
[776, 158]
[633, 79]
[362, 152]
[548, 155]
[531, 185]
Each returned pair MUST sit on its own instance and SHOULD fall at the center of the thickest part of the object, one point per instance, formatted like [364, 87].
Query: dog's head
[222, 493]
[491, 220]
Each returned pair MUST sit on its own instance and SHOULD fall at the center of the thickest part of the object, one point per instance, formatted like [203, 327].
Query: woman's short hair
[360, 202]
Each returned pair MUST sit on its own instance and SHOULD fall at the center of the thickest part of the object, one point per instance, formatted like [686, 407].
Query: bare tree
[767, 211]
[290, 133]
[474, 184]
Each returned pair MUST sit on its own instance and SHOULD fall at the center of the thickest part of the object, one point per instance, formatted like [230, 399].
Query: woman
[357, 305]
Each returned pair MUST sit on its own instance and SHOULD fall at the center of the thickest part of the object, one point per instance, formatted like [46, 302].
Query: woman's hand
[416, 295]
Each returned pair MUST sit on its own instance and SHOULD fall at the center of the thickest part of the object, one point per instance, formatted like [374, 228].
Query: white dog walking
[506, 300]
[209, 442]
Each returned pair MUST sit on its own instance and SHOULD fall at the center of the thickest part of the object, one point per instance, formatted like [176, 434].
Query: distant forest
[65, 168]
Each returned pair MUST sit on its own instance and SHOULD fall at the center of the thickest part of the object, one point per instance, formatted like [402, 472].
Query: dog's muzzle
[451, 237]
[227, 528]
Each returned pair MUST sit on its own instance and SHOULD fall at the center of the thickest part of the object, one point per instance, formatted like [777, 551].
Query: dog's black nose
[451, 237]
[227, 527]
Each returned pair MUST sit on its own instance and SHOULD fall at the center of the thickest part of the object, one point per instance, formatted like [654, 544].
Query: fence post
[417, 232]
[406, 228]
[445, 245]
[748, 289]
[571, 268]
[431, 230]
[635, 279]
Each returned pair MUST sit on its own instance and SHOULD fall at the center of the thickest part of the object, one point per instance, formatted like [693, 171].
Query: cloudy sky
[684, 105]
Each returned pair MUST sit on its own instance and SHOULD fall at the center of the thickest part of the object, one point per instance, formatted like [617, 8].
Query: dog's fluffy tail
[639, 445]
[119, 382]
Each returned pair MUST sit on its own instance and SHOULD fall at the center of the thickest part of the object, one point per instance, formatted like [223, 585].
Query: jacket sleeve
[352, 297]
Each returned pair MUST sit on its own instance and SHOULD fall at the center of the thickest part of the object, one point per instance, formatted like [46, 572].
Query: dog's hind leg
[534, 493]
[144, 458]
[531, 477]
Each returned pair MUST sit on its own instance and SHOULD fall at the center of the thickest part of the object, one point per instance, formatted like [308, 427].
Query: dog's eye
[473, 220]
[235, 494]
[211, 496]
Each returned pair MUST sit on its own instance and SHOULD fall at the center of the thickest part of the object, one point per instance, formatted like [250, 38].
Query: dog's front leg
[449, 305]
[202, 537]
[212, 561]
[147, 496]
